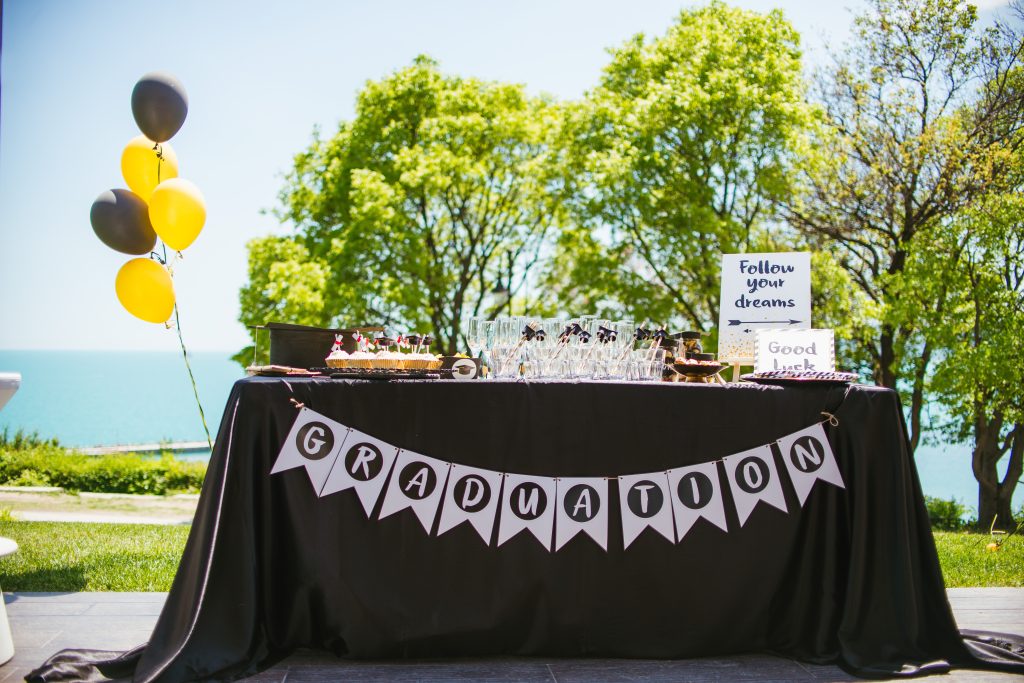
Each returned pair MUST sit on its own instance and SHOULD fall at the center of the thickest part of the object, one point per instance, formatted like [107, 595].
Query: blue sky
[260, 76]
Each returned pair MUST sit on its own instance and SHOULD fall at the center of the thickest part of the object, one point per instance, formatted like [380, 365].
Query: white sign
[696, 493]
[364, 465]
[417, 483]
[761, 291]
[810, 350]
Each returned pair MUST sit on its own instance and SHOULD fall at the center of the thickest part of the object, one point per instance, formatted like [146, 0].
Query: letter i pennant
[313, 443]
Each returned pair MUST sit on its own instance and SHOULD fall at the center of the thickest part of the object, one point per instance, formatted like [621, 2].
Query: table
[851, 577]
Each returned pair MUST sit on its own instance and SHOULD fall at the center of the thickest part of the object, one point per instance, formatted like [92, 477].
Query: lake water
[93, 398]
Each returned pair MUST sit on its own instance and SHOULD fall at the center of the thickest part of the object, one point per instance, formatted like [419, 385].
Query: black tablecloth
[851, 578]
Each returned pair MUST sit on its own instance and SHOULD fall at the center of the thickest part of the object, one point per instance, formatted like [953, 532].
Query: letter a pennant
[313, 442]
[416, 483]
[364, 465]
[527, 503]
[582, 506]
[809, 457]
[472, 495]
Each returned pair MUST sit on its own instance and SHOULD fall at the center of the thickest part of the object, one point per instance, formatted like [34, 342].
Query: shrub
[120, 473]
[948, 515]
[23, 440]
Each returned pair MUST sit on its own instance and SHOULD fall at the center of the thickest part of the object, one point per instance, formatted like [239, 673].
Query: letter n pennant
[808, 457]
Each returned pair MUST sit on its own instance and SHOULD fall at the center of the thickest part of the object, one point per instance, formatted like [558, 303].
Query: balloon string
[188, 366]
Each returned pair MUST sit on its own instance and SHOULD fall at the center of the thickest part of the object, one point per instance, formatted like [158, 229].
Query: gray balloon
[121, 220]
[159, 105]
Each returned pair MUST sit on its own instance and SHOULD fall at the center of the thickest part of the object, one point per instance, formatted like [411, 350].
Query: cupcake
[360, 359]
[337, 358]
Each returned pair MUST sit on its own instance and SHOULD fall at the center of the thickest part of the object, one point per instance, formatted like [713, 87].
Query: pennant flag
[809, 457]
[753, 477]
[417, 483]
[582, 506]
[697, 493]
[313, 442]
[646, 502]
[472, 495]
[364, 466]
[527, 503]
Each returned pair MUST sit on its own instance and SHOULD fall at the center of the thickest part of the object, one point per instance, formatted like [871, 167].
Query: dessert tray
[798, 377]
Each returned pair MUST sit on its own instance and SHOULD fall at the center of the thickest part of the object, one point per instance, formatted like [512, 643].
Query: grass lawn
[966, 563]
[91, 557]
[141, 557]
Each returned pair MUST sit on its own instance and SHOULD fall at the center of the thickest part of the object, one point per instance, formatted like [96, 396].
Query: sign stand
[736, 372]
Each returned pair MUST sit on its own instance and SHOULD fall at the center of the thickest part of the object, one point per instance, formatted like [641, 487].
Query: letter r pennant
[363, 464]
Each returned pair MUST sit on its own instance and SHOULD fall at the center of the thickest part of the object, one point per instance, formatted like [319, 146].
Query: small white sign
[761, 291]
[808, 350]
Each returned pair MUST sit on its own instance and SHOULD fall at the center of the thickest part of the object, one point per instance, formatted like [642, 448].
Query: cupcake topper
[540, 335]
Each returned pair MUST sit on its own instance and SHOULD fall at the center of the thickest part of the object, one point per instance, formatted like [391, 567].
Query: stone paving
[44, 623]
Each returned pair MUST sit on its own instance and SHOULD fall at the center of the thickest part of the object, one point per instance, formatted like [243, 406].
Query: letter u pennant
[313, 443]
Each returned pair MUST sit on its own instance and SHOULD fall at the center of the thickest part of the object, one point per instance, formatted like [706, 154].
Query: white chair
[7, 546]
[9, 383]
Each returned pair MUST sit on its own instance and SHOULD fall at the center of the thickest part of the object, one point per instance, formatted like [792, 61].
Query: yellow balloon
[142, 166]
[144, 288]
[177, 212]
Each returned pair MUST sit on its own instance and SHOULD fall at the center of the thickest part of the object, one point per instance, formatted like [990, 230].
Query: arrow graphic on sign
[764, 322]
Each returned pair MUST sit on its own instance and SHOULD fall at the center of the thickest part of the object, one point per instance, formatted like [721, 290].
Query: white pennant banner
[754, 477]
[417, 482]
[527, 503]
[364, 466]
[696, 492]
[582, 506]
[313, 442]
[809, 457]
[645, 502]
[472, 495]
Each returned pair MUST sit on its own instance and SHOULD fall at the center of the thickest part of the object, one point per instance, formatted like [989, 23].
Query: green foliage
[21, 440]
[414, 211]
[127, 473]
[948, 515]
[91, 557]
[966, 563]
[675, 158]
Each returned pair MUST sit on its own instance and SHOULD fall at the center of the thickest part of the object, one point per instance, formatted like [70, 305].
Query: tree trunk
[993, 496]
[1014, 469]
[885, 375]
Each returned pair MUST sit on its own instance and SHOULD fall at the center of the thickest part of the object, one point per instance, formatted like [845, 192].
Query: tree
[430, 198]
[977, 266]
[676, 157]
[920, 117]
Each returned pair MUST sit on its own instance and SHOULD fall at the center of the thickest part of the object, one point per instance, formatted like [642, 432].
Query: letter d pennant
[313, 442]
[472, 495]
